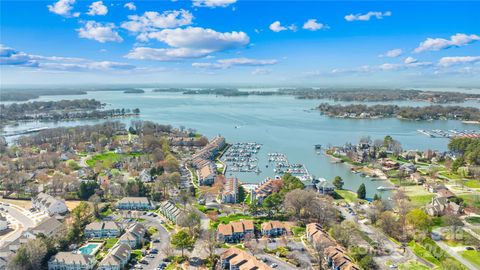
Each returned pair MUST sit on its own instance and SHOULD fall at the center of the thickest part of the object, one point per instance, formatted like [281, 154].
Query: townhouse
[230, 191]
[134, 203]
[102, 229]
[117, 258]
[237, 259]
[235, 231]
[49, 204]
[275, 228]
[171, 211]
[71, 261]
[336, 259]
[133, 235]
[266, 188]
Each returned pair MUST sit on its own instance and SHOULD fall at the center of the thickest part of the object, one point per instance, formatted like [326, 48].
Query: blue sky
[317, 43]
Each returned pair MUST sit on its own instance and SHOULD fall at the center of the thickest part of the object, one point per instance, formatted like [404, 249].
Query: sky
[240, 42]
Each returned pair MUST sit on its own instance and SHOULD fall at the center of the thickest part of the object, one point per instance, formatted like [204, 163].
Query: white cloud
[392, 53]
[63, 8]
[313, 25]
[152, 20]
[261, 71]
[454, 60]
[409, 60]
[277, 27]
[190, 42]
[101, 32]
[12, 57]
[168, 54]
[230, 62]
[213, 3]
[97, 8]
[366, 17]
[130, 6]
[437, 44]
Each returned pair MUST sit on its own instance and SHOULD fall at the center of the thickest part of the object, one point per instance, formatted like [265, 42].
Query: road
[454, 254]
[20, 221]
[164, 238]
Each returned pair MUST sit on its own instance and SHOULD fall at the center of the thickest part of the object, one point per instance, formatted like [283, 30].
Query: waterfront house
[49, 204]
[445, 192]
[171, 211]
[230, 191]
[266, 188]
[336, 259]
[71, 261]
[117, 258]
[275, 228]
[237, 259]
[417, 178]
[102, 229]
[325, 188]
[408, 168]
[235, 231]
[440, 206]
[134, 203]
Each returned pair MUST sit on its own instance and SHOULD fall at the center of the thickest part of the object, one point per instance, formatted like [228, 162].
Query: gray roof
[102, 225]
[143, 200]
[72, 258]
[46, 199]
[118, 253]
[47, 227]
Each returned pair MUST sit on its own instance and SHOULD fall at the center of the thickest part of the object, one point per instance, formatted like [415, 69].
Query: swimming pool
[89, 248]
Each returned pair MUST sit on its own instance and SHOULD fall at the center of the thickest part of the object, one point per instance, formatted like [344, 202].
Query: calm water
[280, 123]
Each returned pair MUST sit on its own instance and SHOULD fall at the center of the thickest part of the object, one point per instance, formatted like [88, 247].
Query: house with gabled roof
[49, 204]
[117, 258]
[71, 261]
[102, 229]
[235, 231]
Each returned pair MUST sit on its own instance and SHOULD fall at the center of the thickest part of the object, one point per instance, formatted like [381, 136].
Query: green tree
[457, 163]
[362, 192]
[418, 219]
[338, 182]
[377, 197]
[290, 183]
[182, 240]
[272, 203]
[87, 189]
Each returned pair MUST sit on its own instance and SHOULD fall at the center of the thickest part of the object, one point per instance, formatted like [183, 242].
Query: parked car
[469, 248]
[156, 241]
[274, 265]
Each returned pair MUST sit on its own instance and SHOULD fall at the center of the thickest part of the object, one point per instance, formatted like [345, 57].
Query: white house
[116, 258]
[49, 204]
[71, 261]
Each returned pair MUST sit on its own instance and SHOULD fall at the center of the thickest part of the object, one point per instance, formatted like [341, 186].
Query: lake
[280, 123]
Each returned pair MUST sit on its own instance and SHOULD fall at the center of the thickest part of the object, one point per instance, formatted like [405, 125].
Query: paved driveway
[164, 238]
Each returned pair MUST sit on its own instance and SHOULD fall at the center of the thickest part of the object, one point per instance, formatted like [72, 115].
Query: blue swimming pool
[90, 248]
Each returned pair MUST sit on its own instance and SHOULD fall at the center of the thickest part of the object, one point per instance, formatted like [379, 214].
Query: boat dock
[242, 157]
[437, 133]
[282, 166]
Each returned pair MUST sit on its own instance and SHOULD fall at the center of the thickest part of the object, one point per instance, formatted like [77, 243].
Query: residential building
[230, 191]
[117, 258]
[235, 231]
[49, 227]
[206, 174]
[171, 211]
[440, 206]
[336, 259]
[145, 176]
[417, 178]
[237, 259]
[102, 229]
[133, 235]
[445, 192]
[275, 228]
[49, 204]
[134, 203]
[71, 261]
[266, 188]
[317, 236]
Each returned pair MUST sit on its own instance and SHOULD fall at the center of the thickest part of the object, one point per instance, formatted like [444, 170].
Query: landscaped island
[134, 91]
[59, 110]
[435, 112]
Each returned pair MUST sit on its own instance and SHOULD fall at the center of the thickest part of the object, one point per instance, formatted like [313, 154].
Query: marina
[282, 165]
[242, 157]
[451, 133]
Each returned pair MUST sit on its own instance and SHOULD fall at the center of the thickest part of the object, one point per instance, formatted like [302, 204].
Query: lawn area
[473, 220]
[420, 200]
[413, 265]
[137, 254]
[423, 253]
[298, 231]
[472, 183]
[152, 230]
[347, 195]
[110, 242]
[107, 159]
[234, 217]
[450, 175]
[471, 199]
[472, 256]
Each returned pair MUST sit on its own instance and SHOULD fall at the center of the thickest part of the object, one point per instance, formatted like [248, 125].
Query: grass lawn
[472, 256]
[137, 254]
[422, 252]
[463, 238]
[152, 230]
[235, 217]
[298, 231]
[107, 159]
[473, 220]
[450, 175]
[471, 199]
[110, 242]
[413, 265]
[472, 183]
[347, 195]
[420, 200]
